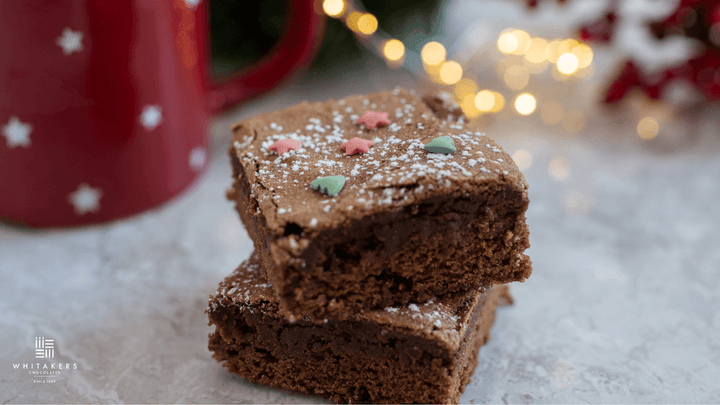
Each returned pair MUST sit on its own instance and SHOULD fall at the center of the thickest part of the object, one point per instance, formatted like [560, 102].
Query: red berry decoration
[696, 19]
[603, 29]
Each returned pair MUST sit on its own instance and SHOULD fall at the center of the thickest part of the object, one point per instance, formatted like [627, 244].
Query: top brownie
[406, 226]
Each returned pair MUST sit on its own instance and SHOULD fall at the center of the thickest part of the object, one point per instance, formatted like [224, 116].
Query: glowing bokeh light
[464, 87]
[584, 55]
[516, 77]
[367, 24]
[484, 100]
[522, 158]
[434, 72]
[433, 53]
[648, 128]
[525, 104]
[552, 52]
[567, 46]
[523, 39]
[450, 72]
[551, 112]
[468, 106]
[394, 49]
[559, 76]
[508, 42]
[567, 64]
[537, 50]
[499, 102]
[352, 21]
[559, 168]
[333, 8]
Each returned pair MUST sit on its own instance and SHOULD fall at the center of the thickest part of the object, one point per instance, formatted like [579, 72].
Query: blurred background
[609, 107]
[576, 63]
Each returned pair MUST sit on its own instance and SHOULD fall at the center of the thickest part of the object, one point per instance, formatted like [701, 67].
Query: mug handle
[303, 28]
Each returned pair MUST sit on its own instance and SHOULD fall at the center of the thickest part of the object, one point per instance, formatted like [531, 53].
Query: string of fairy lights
[524, 56]
[568, 56]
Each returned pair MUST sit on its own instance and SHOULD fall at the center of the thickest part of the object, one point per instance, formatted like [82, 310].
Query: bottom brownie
[417, 353]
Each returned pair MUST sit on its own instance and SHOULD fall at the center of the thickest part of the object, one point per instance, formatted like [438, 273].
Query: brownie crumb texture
[415, 353]
[339, 233]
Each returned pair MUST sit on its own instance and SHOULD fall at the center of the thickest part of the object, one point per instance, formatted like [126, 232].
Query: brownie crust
[408, 225]
[442, 104]
[410, 354]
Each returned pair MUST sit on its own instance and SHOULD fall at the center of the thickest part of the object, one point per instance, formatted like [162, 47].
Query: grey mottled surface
[622, 307]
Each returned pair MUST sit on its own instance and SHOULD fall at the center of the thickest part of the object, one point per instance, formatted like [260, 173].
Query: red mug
[104, 105]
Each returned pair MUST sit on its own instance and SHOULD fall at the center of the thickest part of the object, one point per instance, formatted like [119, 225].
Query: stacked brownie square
[380, 222]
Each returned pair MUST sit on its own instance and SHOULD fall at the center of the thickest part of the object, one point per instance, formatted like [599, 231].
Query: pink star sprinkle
[285, 145]
[373, 119]
[356, 145]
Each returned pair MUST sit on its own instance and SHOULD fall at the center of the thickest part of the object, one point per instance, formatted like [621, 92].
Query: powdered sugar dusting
[396, 171]
[245, 286]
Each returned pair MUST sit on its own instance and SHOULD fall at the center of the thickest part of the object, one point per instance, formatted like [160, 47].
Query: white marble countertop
[622, 307]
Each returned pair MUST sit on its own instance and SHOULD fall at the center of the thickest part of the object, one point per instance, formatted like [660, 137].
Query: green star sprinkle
[330, 185]
[441, 144]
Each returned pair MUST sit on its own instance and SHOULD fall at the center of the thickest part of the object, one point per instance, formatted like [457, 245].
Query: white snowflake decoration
[197, 159]
[85, 199]
[151, 117]
[17, 133]
[70, 41]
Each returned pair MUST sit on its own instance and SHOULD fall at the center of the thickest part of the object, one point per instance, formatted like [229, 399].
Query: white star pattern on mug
[151, 117]
[85, 199]
[70, 41]
[17, 133]
[197, 159]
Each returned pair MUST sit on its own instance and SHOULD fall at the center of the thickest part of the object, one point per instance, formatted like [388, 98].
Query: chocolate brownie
[443, 105]
[407, 224]
[415, 353]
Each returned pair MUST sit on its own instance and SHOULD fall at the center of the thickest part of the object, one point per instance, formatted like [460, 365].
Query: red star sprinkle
[373, 119]
[285, 145]
[357, 145]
